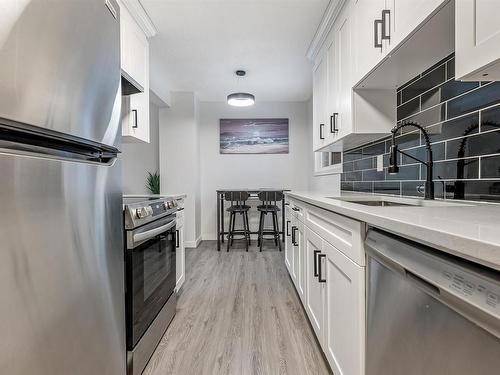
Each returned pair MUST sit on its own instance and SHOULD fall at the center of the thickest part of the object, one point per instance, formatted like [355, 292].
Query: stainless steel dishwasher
[428, 313]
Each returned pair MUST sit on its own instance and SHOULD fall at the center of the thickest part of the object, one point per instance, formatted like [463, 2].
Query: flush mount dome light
[241, 99]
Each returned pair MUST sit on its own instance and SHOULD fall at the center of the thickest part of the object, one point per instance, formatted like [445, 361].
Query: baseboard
[192, 244]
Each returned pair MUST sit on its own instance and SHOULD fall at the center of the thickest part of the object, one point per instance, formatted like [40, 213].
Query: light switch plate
[380, 163]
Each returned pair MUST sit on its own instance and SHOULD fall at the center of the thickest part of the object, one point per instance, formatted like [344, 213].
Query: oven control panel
[140, 213]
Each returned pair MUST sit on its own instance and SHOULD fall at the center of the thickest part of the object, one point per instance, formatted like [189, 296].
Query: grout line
[448, 100]
[427, 91]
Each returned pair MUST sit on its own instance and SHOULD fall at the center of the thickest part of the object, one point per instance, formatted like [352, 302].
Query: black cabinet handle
[294, 231]
[316, 252]
[287, 228]
[386, 24]
[320, 270]
[177, 241]
[321, 131]
[134, 114]
[332, 127]
[376, 25]
[333, 119]
[295, 209]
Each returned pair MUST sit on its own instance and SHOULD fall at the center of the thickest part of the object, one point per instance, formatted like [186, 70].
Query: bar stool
[238, 206]
[269, 204]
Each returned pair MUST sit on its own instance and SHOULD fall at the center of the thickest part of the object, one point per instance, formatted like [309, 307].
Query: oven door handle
[153, 232]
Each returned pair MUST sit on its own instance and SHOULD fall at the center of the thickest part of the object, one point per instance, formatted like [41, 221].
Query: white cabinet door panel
[344, 67]
[288, 241]
[301, 260]
[319, 103]
[366, 55]
[315, 291]
[344, 313]
[406, 16]
[477, 39]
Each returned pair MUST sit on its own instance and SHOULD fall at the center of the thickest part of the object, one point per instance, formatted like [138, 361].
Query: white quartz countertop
[467, 229]
[156, 196]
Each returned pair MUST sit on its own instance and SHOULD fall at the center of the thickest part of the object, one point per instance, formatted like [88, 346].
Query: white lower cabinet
[344, 309]
[288, 240]
[315, 290]
[331, 285]
[300, 260]
[180, 258]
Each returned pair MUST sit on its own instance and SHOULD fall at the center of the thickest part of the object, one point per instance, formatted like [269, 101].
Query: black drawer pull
[316, 252]
[320, 271]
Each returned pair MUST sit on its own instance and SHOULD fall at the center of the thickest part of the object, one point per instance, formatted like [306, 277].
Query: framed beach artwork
[254, 136]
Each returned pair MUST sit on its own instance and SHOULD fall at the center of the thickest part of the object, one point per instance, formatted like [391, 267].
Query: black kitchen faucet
[393, 160]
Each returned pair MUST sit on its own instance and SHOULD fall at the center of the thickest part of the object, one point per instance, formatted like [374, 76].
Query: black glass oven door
[150, 275]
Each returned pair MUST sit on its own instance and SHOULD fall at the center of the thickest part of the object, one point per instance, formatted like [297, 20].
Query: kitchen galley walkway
[238, 314]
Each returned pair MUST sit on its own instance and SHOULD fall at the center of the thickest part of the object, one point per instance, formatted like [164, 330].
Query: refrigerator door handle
[21, 139]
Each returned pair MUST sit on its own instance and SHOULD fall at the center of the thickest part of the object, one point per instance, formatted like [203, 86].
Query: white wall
[180, 158]
[139, 158]
[330, 183]
[250, 171]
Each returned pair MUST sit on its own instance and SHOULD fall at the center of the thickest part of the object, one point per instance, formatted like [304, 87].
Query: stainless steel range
[151, 239]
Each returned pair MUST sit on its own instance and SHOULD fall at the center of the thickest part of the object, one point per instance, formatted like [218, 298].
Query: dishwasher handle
[422, 283]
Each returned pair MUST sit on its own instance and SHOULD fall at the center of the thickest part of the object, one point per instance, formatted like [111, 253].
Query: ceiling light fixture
[241, 99]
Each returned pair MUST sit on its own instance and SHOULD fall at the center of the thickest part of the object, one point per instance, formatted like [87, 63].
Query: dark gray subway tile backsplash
[463, 121]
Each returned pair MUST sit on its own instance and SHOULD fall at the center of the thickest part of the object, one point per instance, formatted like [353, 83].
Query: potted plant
[153, 182]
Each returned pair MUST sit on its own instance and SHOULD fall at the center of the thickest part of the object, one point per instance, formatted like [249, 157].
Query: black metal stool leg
[245, 229]
[231, 218]
[248, 227]
[275, 229]
[232, 229]
[277, 232]
[261, 230]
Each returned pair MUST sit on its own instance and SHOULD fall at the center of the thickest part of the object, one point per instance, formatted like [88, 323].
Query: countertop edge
[482, 252]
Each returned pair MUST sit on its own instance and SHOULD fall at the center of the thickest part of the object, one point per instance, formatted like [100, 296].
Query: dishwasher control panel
[471, 287]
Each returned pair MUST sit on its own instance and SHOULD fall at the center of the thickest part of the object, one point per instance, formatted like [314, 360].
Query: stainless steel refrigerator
[61, 264]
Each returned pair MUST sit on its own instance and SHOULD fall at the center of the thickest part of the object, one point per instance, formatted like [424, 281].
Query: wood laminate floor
[238, 313]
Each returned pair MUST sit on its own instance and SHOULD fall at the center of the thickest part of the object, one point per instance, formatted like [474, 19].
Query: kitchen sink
[380, 203]
[397, 202]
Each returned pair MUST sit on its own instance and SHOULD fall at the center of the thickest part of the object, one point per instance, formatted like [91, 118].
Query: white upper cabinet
[319, 103]
[134, 51]
[477, 40]
[344, 74]
[367, 38]
[402, 17]
[332, 107]
[363, 37]
[135, 69]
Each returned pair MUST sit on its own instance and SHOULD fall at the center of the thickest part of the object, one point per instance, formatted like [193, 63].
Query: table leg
[283, 217]
[218, 223]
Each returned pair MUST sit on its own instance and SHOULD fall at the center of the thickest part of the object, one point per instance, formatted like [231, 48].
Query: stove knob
[174, 203]
[165, 205]
[143, 212]
[169, 204]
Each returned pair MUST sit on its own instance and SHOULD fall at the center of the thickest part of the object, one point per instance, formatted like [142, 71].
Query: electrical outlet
[380, 163]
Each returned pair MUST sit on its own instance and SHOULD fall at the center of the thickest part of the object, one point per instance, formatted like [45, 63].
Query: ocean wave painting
[254, 136]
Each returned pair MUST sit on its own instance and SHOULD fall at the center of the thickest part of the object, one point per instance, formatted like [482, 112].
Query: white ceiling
[202, 43]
